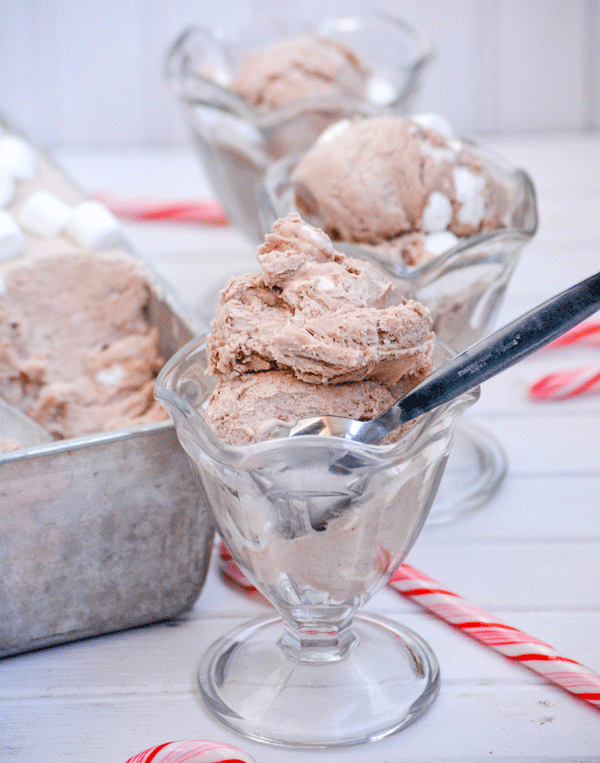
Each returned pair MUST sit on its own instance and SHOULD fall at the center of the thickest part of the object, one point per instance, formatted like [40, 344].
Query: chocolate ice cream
[291, 69]
[315, 332]
[397, 184]
[77, 353]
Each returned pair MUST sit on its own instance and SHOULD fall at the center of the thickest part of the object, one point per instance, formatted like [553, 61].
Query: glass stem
[317, 642]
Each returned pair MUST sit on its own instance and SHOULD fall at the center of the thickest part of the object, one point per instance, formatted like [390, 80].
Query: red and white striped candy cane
[511, 642]
[586, 333]
[180, 211]
[193, 751]
[562, 385]
[571, 382]
[231, 570]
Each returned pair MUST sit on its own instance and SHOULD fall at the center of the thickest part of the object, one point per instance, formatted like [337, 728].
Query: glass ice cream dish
[371, 63]
[462, 281]
[318, 524]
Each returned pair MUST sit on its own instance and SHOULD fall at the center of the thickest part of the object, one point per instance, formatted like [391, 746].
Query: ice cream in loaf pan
[78, 353]
[315, 332]
[104, 531]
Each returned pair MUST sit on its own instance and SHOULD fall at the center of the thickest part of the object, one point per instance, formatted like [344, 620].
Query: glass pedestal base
[385, 681]
[474, 473]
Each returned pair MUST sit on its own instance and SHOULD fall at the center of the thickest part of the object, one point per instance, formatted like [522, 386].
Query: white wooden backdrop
[89, 73]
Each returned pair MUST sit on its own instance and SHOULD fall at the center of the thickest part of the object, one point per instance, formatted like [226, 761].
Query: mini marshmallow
[93, 226]
[438, 243]
[44, 214]
[317, 237]
[437, 153]
[7, 187]
[17, 157]
[469, 192]
[380, 91]
[435, 122]
[218, 74]
[324, 284]
[11, 236]
[333, 131]
[437, 213]
[110, 377]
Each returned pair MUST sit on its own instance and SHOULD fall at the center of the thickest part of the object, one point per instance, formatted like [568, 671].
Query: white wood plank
[517, 576]
[538, 49]
[557, 444]
[593, 79]
[466, 723]
[553, 444]
[98, 71]
[562, 164]
[17, 69]
[528, 508]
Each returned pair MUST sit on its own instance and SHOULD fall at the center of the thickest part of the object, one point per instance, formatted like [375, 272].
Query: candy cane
[231, 571]
[562, 385]
[514, 644]
[587, 333]
[184, 211]
[572, 382]
[194, 751]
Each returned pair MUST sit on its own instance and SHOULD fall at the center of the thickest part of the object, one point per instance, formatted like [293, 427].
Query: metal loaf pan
[104, 532]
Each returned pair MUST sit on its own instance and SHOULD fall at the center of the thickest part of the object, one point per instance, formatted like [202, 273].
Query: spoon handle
[498, 351]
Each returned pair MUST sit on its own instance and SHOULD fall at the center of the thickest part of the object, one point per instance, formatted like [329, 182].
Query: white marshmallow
[2, 287]
[435, 122]
[93, 226]
[438, 243]
[324, 284]
[17, 157]
[455, 144]
[333, 130]
[11, 236]
[380, 91]
[437, 213]
[110, 377]
[44, 214]
[438, 153]
[7, 187]
[469, 192]
[218, 74]
[318, 238]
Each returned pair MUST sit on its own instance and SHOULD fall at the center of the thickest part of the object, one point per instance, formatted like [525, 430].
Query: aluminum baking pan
[104, 532]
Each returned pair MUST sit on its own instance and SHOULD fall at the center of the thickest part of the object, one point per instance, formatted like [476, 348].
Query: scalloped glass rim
[185, 80]
[193, 353]
[273, 205]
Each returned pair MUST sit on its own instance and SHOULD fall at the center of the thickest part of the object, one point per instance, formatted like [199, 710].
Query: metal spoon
[479, 362]
[14, 425]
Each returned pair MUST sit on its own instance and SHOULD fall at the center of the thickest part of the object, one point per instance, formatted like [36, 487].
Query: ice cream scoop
[475, 365]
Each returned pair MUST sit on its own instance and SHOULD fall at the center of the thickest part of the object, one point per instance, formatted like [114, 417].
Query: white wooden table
[531, 556]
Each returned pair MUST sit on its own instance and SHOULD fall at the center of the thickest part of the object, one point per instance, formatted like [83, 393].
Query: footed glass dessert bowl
[318, 524]
[236, 140]
[464, 288]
